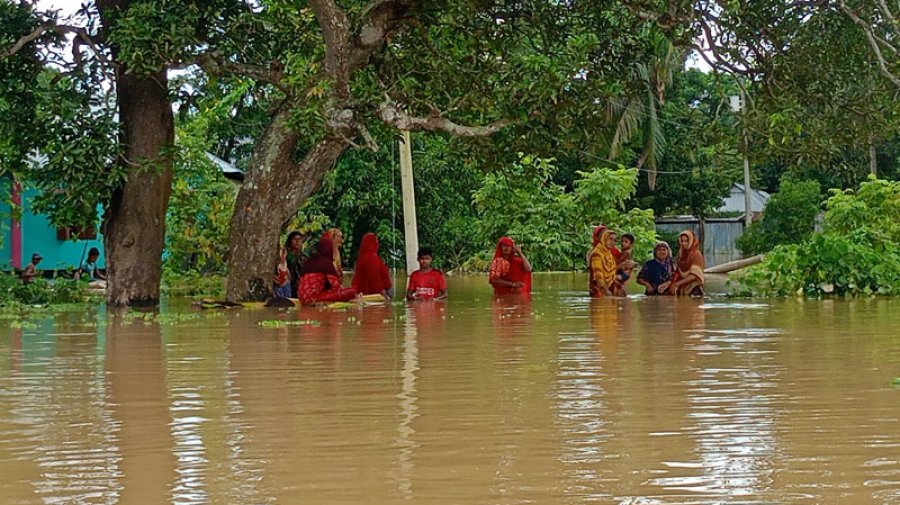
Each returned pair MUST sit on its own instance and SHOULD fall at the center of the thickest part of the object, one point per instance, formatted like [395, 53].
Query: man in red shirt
[426, 283]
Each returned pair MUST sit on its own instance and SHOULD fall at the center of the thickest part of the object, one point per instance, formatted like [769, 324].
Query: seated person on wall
[88, 270]
[426, 283]
[319, 279]
[295, 258]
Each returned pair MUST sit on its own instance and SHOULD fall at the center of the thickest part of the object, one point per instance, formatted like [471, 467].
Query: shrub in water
[858, 252]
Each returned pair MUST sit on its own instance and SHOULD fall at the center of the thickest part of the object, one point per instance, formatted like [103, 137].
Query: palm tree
[636, 114]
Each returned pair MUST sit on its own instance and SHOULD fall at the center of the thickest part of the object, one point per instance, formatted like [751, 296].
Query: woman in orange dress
[602, 264]
[688, 278]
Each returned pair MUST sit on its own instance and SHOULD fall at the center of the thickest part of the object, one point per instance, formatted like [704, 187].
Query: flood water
[565, 400]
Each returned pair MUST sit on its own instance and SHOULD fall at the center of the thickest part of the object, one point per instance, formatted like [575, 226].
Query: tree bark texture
[273, 191]
[136, 217]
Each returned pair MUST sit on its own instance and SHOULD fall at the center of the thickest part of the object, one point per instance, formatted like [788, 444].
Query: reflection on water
[556, 399]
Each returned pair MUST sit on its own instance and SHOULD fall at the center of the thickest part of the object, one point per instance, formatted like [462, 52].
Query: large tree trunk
[273, 191]
[136, 217]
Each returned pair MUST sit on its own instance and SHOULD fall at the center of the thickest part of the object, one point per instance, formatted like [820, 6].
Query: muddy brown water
[562, 400]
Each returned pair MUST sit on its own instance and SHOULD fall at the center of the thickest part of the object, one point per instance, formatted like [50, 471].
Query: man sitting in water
[89, 271]
[426, 283]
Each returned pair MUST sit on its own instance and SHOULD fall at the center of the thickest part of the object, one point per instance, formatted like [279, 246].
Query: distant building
[64, 247]
[719, 239]
[734, 202]
[720, 233]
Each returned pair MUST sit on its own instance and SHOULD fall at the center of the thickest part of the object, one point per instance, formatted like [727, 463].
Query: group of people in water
[318, 278]
[610, 268]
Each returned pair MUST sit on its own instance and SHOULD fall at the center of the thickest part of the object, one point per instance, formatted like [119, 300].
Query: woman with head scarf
[371, 276]
[602, 264]
[319, 280]
[688, 278]
[337, 238]
[295, 256]
[510, 271]
[656, 274]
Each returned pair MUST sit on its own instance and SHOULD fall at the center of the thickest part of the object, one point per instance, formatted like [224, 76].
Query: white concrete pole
[873, 156]
[748, 207]
[410, 227]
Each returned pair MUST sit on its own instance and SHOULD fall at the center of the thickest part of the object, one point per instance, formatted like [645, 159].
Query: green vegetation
[554, 225]
[14, 293]
[857, 253]
[790, 218]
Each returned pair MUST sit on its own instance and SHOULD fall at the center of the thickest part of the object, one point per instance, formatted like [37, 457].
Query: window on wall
[76, 233]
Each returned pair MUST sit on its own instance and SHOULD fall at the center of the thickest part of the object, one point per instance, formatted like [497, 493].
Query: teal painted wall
[38, 235]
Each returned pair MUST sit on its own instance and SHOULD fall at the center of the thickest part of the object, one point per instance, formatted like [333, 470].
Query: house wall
[720, 239]
[38, 235]
[5, 225]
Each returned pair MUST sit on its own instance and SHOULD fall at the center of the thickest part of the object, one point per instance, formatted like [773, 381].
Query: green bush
[553, 225]
[857, 253]
[41, 291]
[790, 218]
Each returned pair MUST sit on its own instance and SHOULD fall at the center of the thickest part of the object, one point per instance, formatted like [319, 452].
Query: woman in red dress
[371, 276]
[510, 270]
[319, 280]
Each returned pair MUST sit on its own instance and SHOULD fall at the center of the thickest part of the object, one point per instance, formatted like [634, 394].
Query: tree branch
[214, 63]
[336, 32]
[668, 19]
[873, 43]
[25, 40]
[379, 19]
[391, 114]
[82, 37]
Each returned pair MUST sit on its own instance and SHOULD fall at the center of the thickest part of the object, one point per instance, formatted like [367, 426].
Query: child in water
[625, 264]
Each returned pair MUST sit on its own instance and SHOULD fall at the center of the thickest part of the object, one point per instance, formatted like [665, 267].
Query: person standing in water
[656, 274]
[426, 283]
[624, 265]
[89, 270]
[688, 278]
[510, 271]
[602, 264]
[31, 271]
